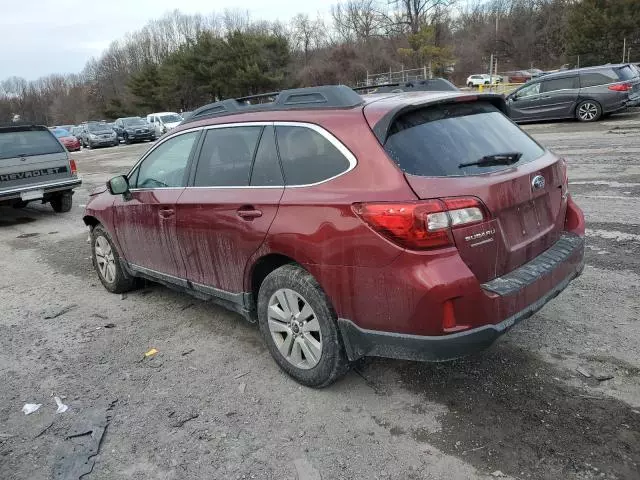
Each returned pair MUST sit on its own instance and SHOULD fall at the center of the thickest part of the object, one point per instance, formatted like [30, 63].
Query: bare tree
[416, 13]
[307, 35]
[358, 19]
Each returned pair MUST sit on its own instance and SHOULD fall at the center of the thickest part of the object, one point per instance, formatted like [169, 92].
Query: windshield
[61, 132]
[132, 122]
[26, 143]
[98, 127]
[171, 118]
[434, 141]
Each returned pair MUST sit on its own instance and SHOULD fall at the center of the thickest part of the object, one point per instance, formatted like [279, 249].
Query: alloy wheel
[295, 329]
[105, 259]
[587, 111]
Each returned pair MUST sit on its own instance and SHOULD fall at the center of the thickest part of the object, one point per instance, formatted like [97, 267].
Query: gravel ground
[212, 404]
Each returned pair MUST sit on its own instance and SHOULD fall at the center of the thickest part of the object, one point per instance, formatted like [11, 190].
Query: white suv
[482, 79]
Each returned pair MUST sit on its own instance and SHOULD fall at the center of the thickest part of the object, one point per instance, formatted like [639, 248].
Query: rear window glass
[626, 73]
[600, 77]
[307, 156]
[16, 143]
[433, 142]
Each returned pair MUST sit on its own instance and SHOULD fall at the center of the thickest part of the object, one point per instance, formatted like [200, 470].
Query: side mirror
[118, 185]
[513, 97]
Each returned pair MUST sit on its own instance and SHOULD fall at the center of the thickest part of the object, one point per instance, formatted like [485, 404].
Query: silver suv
[34, 165]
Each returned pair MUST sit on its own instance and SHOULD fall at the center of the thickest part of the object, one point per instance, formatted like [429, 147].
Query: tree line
[180, 61]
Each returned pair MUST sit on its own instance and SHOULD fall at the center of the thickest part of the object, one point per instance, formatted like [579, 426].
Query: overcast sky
[58, 36]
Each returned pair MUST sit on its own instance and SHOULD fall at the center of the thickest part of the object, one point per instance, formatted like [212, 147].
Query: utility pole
[629, 55]
[491, 67]
[624, 48]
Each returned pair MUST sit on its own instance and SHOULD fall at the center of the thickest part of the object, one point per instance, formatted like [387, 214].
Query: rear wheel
[588, 111]
[300, 328]
[62, 202]
[106, 261]
[470, 85]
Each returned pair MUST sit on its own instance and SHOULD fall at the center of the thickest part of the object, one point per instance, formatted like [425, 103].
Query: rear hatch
[31, 155]
[630, 75]
[525, 195]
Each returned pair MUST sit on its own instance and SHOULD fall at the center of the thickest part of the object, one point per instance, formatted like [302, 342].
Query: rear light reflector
[73, 167]
[422, 225]
[620, 87]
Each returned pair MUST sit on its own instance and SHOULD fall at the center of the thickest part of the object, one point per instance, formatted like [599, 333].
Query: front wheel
[106, 262]
[588, 111]
[62, 202]
[126, 139]
[300, 328]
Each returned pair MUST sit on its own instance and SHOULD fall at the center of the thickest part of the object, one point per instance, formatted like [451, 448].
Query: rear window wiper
[495, 159]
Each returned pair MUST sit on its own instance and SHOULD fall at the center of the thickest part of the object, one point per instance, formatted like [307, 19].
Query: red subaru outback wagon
[416, 225]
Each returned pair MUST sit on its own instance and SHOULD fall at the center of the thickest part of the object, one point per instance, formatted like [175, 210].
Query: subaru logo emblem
[538, 182]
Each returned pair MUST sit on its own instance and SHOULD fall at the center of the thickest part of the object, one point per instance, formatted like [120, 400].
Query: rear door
[225, 213]
[559, 96]
[524, 103]
[145, 219]
[526, 201]
[31, 156]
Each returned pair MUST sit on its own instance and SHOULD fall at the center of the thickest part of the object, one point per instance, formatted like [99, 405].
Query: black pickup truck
[35, 166]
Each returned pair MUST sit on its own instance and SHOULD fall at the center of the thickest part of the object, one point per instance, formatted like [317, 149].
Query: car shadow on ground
[510, 411]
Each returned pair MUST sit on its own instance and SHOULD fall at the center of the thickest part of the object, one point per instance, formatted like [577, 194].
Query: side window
[165, 166]
[600, 77]
[226, 156]
[567, 83]
[150, 119]
[266, 167]
[529, 91]
[308, 157]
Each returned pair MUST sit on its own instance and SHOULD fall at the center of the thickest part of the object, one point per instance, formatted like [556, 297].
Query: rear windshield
[627, 73]
[434, 141]
[26, 143]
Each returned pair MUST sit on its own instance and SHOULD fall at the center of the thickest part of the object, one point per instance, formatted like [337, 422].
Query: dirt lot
[212, 404]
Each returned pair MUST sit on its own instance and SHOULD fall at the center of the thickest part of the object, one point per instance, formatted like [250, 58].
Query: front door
[524, 104]
[224, 217]
[146, 217]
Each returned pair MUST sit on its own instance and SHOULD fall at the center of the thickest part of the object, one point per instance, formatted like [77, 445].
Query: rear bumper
[554, 268]
[50, 187]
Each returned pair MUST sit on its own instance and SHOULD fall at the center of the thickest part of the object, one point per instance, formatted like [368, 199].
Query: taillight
[73, 167]
[620, 87]
[422, 225]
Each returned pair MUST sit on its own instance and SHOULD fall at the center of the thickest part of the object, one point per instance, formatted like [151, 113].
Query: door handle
[166, 212]
[546, 96]
[249, 213]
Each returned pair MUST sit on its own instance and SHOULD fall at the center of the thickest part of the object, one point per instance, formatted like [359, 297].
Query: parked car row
[126, 129]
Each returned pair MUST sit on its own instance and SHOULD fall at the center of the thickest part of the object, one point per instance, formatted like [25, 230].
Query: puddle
[509, 411]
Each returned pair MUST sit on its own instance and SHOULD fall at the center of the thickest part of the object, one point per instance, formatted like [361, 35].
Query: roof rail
[323, 97]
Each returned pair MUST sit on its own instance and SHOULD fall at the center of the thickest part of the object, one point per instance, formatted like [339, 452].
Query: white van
[162, 122]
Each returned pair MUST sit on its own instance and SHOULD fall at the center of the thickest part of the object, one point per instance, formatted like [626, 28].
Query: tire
[20, 204]
[126, 139]
[470, 85]
[62, 202]
[106, 262]
[315, 354]
[588, 111]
